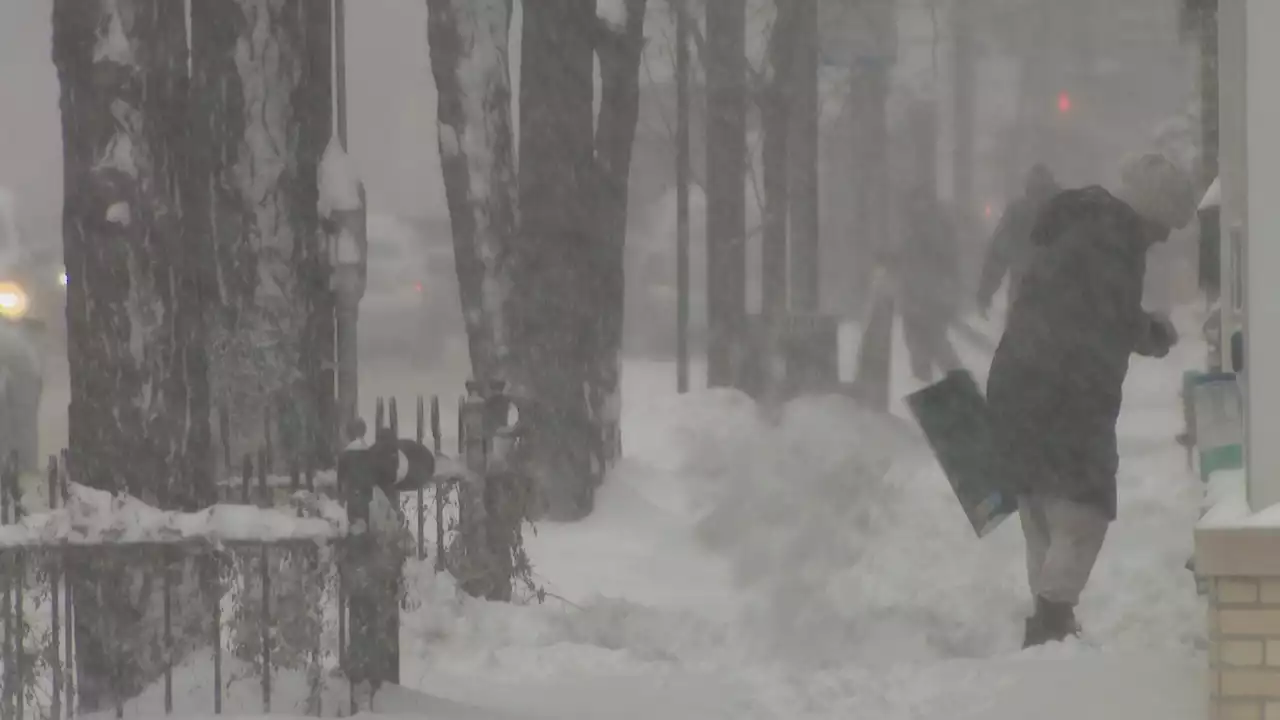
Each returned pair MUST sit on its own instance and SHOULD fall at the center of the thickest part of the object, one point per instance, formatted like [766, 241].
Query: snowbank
[612, 12]
[193, 693]
[819, 567]
[339, 181]
[94, 517]
[323, 479]
[1227, 504]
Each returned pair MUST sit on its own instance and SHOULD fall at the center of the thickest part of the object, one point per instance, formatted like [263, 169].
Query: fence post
[6, 610]
[393, 417]
[64, 481]
[55, 697]
[264, 570]
[419, 432]
[213, 580]
[440, 489]
[357, 469]
[167, 589]
[19, 602]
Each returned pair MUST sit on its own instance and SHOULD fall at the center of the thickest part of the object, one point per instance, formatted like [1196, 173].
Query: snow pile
[846, 541]
[460, 635]
[1226, 500]
[321, 479]
[94, 517]
[847, 545]
[339, 183]
[193, 696]
[1226, 504]
[612, 12]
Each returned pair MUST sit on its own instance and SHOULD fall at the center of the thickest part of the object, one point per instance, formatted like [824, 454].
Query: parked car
[32, 312]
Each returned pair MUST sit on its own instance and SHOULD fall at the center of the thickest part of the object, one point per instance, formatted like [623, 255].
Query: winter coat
[1054, 389]
[1010, 249]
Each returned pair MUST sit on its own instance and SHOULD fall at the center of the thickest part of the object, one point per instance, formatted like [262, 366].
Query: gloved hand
[1163, 334]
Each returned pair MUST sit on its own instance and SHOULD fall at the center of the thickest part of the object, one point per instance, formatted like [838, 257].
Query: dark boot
[1052, 622]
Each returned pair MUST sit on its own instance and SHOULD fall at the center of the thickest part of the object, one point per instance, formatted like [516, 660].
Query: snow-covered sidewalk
[813, 568]
[820, 568]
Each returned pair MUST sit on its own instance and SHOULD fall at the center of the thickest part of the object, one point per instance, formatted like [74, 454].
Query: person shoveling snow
[1054, 389]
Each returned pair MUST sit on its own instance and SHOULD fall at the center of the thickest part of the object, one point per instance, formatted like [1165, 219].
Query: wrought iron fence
[100, 618]
[246, 487]
[93, 620]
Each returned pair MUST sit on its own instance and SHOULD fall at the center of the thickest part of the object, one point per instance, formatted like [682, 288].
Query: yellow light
[13, 301]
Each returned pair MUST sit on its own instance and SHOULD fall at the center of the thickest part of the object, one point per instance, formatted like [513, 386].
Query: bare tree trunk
[1208, 92]
[544, 313]
[963, 89]
[805, 253]
[468, 45]
[726, 149]
[469, 60]
[263, 127]
[775, 114]
[139, 414]
[869, 92]
[554, 317]
[683, 170]
[619, 50]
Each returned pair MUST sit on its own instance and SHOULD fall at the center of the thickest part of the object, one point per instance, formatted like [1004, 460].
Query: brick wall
[1244, 646]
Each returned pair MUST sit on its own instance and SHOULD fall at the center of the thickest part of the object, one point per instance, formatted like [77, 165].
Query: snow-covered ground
[814, 568]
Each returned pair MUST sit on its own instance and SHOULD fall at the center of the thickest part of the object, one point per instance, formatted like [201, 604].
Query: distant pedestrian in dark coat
[1010, 249]
[928, 273]
[1054, 389]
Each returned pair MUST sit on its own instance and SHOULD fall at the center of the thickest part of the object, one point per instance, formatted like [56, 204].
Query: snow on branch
[339, 182]
[322, 479]
[613, 13]
[96, 517]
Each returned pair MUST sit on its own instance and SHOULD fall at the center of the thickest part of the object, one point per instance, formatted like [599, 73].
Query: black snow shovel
[952, 413]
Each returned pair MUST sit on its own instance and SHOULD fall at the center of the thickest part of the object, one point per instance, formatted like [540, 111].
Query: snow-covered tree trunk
[619, 49]
[261, 120]
[554, 318]
[469, 61]
[261, 92]
[139, 412]
[726, 151]
[468, 46]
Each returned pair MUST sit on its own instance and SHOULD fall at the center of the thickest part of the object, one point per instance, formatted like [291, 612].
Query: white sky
[390, 92]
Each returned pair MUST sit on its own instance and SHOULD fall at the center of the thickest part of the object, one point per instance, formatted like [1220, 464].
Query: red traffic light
[1064, 102]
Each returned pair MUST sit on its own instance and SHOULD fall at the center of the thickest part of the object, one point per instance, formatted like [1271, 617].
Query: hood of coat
[1094, 209]
[1158, 190]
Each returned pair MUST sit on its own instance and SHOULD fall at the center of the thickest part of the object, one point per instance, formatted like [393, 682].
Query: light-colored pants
[1063, 542]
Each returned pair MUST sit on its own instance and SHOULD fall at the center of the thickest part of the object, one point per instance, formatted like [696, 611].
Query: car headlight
[62, 278]
[14, 302]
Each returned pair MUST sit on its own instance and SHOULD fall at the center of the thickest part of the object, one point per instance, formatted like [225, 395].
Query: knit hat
[1157, 189]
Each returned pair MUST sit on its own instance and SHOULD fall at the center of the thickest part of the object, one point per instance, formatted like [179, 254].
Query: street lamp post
[349, 248]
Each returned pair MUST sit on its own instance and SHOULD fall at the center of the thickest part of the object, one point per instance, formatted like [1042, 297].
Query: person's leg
[944, 353]
[915, 337]
[1076, 535]
[1035, 528]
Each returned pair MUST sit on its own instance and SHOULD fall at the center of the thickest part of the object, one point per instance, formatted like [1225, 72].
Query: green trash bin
[1219, 416]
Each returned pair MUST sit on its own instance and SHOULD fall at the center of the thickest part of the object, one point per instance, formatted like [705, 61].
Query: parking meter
[349, 258]
[371, 483]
